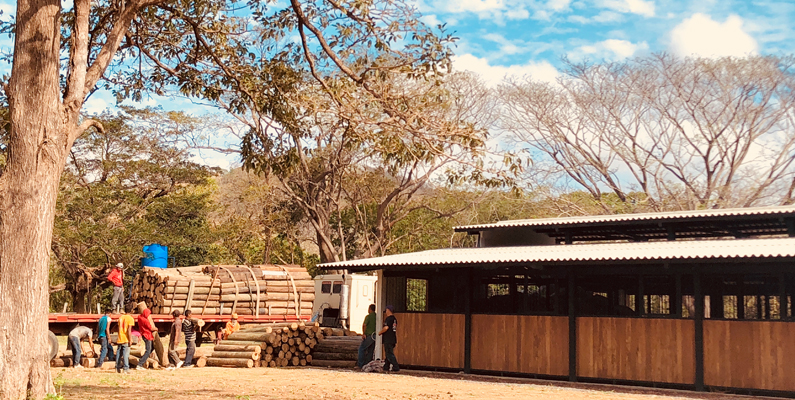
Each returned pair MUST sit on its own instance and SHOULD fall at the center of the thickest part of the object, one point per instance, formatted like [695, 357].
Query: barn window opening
[416, 294]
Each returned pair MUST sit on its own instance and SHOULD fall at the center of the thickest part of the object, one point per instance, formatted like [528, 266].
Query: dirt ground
[317, 383]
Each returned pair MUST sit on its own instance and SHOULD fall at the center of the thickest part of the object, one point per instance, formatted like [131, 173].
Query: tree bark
[29, 187]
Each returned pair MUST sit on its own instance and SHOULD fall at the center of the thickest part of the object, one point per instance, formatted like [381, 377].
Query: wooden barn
[699, 300]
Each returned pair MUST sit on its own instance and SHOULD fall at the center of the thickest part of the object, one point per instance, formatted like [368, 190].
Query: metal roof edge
[631, 217]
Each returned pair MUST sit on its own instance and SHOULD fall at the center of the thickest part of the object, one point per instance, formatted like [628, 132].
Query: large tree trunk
[37, 146]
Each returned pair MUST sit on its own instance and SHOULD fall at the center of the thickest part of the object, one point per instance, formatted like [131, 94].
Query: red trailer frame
[62, 324]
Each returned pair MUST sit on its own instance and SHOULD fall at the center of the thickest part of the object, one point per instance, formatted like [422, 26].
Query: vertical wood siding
[430, 340]
[636, 349]
[750, 354]
[520, 343]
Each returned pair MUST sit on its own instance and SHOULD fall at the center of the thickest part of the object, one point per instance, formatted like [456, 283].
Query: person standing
[145, 326]
[103, 334]
[126, 323]
[76, 337]
[189, 328]
[368, 338]
[389, 339]
[173, 341]
[116, 276]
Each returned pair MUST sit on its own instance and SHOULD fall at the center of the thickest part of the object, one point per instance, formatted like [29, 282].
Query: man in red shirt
[116, 276]
[145, 326]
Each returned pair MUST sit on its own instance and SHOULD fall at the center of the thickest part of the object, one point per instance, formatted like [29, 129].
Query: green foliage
[123, 188]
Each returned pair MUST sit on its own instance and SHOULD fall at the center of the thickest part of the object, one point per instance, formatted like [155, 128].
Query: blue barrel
[156, 256]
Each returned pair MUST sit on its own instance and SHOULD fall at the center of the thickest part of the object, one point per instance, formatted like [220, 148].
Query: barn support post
[698, 319]
[380, 300]
[468, 324]
[572, 329]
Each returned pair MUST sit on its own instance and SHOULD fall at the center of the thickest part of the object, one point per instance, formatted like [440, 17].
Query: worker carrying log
[173, 341]
[116, 277]
[76, 337]
[146, 326]
[367, 347]
[389, 339]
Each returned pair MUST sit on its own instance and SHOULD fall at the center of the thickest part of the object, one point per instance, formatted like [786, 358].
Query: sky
[499, 38]
[525, 37]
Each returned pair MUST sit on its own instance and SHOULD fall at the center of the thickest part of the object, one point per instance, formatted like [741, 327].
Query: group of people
[186, 327]
[388, 335]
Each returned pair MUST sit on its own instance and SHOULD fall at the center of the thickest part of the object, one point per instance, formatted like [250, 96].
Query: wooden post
[572, 328]
[468, 323]
[380, 300]
[698, 319]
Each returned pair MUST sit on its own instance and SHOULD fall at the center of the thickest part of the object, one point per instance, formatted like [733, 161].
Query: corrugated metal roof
[668, 250]
[595, 219]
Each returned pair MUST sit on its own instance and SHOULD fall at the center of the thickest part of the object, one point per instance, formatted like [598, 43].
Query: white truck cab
[329, 309]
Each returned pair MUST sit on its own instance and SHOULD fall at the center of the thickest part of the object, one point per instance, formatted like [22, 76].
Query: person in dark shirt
[389, 339]
[189, 328]
[173, 341]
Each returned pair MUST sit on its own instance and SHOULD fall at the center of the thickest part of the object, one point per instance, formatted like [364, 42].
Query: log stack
[268, 345]
[224, 289]
[337, 351]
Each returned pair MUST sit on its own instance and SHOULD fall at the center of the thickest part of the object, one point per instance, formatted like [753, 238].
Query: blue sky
[525, 37]
[529, 37]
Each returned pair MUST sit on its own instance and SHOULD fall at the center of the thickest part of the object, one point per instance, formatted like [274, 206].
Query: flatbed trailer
[62, 324]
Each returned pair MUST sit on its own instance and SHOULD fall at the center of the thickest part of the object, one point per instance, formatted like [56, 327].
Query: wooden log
[230, 362]
[61, 362]
[254, 355]
[320, 355]
[333, 363]
[253, 336]
[201, 362]
[223, 347]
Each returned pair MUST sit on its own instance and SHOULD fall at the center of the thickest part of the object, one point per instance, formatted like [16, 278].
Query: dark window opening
[337, 288]
[325, 287]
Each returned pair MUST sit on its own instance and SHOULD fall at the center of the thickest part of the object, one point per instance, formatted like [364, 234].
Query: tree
[664, 133]
[190, 45]
[124, 187]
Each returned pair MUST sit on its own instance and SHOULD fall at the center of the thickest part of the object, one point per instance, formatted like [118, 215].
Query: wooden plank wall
[430, 340]
[521, 343]
[636, 349]
[749, 354]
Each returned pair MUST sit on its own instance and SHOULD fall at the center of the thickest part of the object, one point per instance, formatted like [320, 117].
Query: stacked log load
[268, 345]
[224, 289]
[337, 352]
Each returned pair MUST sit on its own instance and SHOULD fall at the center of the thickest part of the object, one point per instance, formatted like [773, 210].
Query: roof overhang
[738, 223]
[559, 255]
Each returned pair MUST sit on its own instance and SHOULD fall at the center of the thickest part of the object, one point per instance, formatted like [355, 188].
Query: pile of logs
[224, 289]
[268, 345]
[337, 352]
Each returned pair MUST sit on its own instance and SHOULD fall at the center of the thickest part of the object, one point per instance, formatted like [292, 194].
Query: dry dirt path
[315, 383]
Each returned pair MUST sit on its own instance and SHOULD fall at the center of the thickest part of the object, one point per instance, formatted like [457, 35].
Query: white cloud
[702, 36]
[494, 74]
[95, 105]
[506, 46]
[601, 18]
[640, 7]
[475, 6]
[7, 9]
[611, 50]
[558, 5]
[430, 20]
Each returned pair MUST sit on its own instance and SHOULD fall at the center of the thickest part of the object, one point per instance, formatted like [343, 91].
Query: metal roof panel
[668, 250]
[613, 218]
